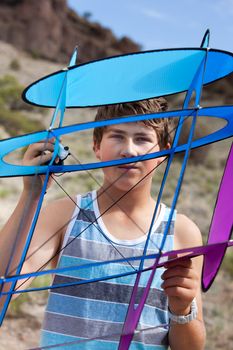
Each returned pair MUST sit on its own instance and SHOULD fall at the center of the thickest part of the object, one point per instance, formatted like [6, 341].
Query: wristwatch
[185, 319]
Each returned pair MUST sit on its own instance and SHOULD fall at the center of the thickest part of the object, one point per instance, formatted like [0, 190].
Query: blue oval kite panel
[131, 77]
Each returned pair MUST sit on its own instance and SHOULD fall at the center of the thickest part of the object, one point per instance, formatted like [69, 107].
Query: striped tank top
[91, 316]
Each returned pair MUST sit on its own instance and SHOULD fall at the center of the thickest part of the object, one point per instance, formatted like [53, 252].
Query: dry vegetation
[197, 199]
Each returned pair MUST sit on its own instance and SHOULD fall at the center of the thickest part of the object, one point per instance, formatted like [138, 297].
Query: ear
[161, 159]
[96, 149]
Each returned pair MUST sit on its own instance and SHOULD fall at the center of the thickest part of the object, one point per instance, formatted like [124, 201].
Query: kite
[127, 78]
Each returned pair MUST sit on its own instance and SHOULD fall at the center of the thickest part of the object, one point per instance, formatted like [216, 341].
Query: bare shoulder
[48, 236]
[187, 233]
[57, 214]
[62, 205]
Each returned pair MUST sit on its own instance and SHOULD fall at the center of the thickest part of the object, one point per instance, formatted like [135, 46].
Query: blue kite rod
[196, 86]
[175, 198]
[24, 253]
[60, 106]
[199, 76]
[9, 145]
[8, 279]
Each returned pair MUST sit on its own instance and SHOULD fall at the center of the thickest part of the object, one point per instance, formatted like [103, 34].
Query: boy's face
[123, 141]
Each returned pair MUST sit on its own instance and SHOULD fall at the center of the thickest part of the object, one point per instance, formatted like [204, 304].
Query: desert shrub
[10, 92]
[10, 95]
[16, 306]
[228, 263]
[87, 15]
[12, 107]
[15, 65]
[35, 54]
[4, 192]
[16, 123]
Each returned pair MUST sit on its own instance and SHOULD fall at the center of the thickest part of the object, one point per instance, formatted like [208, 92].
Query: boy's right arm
[48, 228]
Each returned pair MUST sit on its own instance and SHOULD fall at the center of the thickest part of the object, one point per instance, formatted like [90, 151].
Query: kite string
[60, 250]
[105, 190]
[106, 209]
[72, 219]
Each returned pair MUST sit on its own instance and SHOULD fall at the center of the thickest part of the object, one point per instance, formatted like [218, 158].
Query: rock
[49, 29]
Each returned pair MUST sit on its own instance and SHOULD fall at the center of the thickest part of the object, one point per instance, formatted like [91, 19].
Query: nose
[128, 149]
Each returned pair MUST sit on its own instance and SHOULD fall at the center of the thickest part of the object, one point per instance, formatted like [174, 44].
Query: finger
[180, 282]
[171, 257]
[38, 160]
[38, 149]
[42, 159]
[43, 144]
[178, 271]
[183, 261]
[184, 294]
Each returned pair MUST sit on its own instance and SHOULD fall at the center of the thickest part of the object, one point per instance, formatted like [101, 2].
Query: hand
[181, 284]
[37, 154]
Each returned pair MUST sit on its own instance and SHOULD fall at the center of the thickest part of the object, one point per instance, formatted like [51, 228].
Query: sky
[157, 24]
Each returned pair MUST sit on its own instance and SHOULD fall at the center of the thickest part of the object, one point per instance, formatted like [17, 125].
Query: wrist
[179, 311]
[184, 317]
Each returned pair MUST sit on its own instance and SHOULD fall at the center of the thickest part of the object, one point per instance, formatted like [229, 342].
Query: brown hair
[162, 126]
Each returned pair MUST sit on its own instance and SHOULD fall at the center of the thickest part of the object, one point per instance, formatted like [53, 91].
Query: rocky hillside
[49, 29]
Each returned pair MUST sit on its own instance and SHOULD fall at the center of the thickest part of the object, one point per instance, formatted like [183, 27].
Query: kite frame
[61, 105]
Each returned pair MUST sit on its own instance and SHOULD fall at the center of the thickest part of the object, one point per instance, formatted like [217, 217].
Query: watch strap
[185, 319]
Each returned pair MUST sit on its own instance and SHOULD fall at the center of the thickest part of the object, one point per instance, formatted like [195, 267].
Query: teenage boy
[105, 225]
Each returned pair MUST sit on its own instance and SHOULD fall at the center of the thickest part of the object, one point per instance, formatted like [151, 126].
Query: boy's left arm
[182, 284]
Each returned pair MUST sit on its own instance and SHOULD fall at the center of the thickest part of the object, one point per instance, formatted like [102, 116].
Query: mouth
[128, 167]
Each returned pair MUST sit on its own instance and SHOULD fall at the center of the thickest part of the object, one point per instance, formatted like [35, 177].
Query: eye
[143, 139]
[116, 136]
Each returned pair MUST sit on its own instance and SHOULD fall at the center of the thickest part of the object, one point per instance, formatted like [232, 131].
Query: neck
[137, 198]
